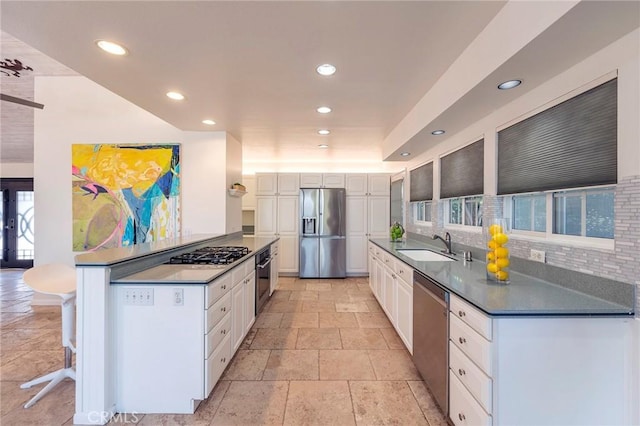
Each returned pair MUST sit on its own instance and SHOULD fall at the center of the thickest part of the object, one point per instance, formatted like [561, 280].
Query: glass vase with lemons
[497, 239]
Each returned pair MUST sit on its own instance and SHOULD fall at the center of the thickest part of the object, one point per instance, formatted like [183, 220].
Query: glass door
[16, 219]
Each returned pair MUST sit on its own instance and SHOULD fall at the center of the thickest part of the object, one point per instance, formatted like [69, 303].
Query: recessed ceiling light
[326, 69]
[509, 84]
[323, 146]
[111, 47]
[438, 132]
[176, 96]
[208, 122]
[323, 110]
[323, 132]
[405, 154]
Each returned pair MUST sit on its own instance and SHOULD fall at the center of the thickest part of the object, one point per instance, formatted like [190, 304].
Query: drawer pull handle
[223, 309]
[223, 331]
[461, 372]
[461, 416]
[462, 340]
[461, 314]
[223, 360]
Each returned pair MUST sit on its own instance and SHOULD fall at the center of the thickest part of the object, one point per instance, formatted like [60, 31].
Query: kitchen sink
[422, 255]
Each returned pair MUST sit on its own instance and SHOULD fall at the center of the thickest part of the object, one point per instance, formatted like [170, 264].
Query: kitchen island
[527, 352]
[131, 293]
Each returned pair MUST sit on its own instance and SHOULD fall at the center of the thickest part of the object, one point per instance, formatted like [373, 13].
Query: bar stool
[59, 280]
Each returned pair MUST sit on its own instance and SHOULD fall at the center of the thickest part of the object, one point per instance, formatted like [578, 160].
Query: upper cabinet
[277, 184]
[368, 184]
[322, 180]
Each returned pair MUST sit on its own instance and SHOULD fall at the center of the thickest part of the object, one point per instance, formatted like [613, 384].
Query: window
[397, 201]
[575, 213]
[584, 213]
[465, 211]
[421, 192]
[421, 211]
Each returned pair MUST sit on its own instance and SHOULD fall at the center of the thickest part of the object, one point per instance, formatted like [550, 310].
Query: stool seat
[60, 280]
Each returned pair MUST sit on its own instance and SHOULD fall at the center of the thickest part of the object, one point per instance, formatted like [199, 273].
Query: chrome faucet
[446, 240]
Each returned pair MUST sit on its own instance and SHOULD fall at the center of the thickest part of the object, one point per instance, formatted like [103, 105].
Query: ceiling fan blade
[20, 101]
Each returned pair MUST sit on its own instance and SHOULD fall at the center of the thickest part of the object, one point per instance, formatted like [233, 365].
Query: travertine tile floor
[321, 353]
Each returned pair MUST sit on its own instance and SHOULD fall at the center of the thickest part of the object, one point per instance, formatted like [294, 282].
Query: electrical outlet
[537, 255]
[138, 296]
[178, 297]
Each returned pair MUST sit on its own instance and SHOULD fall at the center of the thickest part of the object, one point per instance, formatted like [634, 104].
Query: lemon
[492, 267]
[502, 252]
[495, 229]
[502, 275]
[500, 238]
[491, 256]
[502, 262]
[492, 245]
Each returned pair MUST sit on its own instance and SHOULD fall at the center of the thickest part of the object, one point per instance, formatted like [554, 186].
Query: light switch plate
[537, 255]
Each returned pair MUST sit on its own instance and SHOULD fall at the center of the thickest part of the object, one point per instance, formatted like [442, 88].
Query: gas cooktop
[224, 255]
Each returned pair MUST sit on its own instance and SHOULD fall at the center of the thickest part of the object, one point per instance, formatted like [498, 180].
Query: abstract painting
[124, 194]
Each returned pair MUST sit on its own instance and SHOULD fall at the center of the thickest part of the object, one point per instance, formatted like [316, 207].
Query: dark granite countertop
[522, 296]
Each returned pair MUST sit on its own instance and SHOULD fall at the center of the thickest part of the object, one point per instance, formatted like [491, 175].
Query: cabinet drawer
[472, 316]
[217, 334]
[239, 273]
[217, 288]
[463, 409]
[216, 363]
[405, 272]
[215, 313]
[471, 376]
[476, 347]
[388, 261]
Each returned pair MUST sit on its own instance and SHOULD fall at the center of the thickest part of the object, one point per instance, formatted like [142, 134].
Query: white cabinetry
[277, 183]
[242, 301]
[277, 215]
[536, 370]
[322, 180]
[367, 217]
[367, 184]
[275, 267]
[392, 283]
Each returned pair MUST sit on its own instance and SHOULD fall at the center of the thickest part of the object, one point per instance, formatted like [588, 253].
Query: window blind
[421, 183]
[571, 145]
[462, 171]
[397, 201]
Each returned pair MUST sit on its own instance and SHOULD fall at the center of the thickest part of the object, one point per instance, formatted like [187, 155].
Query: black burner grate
[223, 255]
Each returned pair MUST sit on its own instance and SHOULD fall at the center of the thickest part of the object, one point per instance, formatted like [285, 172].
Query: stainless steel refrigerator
[323, 247]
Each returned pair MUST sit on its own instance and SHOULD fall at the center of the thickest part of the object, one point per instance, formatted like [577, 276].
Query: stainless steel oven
[263, 278]
[431, 337]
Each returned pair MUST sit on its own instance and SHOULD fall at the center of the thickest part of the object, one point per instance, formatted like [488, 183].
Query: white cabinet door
[310, 180]
[356, 184]
[266, 210]
[379, 185]
[333, 180]
[389, 295]
[404, 309]
[288, 215]
[372, 272]
[288, 184]
[250, 302]
[288, 253]
[357, 254]
[237, 315]
[379, 213]
[266, 183]
[273, 281]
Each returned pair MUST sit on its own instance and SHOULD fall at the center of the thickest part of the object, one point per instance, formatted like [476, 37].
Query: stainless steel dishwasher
[431, 337]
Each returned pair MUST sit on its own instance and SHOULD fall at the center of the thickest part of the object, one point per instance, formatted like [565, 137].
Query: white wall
[234, 174]
[81, 111]
[16, 170]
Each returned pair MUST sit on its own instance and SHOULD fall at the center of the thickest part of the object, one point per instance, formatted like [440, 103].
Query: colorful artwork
[124, 194]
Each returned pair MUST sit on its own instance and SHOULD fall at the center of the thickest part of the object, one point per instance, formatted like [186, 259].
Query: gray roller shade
[571, 145]
[462, 171]
[421, 183]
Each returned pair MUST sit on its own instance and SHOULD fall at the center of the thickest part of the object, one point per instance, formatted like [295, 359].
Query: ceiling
[250, 66]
